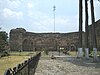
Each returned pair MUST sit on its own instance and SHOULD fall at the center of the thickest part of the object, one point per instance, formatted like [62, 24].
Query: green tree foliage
[3, 40]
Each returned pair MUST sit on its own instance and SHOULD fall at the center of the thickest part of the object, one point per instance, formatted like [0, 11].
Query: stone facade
[20, 39]
[28, 41]
[97, 31]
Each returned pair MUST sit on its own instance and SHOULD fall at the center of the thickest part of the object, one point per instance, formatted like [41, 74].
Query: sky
[37, 15]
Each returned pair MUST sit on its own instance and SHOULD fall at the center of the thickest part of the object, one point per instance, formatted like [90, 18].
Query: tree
[3, 40]
[3, 35]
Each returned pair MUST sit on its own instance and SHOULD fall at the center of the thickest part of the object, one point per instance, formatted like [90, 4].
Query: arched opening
[51, 44]
[27, 45]
[38, 44]
[72, 48]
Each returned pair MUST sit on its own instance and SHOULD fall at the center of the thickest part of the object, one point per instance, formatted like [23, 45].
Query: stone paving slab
[66, 66]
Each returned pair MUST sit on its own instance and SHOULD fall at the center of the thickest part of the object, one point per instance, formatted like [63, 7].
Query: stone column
[80, 52]
[86, 30]
[94, 41]
[95, 55]
[87, 53]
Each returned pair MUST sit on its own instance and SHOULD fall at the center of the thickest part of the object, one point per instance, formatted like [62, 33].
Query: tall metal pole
[54, 8]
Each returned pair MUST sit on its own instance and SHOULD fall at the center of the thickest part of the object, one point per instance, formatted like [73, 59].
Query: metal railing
[28, 67]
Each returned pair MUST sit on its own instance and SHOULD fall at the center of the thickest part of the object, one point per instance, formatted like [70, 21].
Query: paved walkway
[67, 66]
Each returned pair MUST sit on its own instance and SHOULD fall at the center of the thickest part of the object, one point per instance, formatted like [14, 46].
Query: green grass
[14, 59]
[72, 53]
[98, 53]
[22, 53]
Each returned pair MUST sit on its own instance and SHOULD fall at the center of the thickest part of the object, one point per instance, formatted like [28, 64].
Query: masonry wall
[28, 41]
[97, 33]
[16, 36]
[20, 39]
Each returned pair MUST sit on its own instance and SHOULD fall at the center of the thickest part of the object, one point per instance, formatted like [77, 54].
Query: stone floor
[67, 66]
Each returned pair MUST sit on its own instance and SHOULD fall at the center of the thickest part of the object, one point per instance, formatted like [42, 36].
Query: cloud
[44, 22]
[37, 15]
[12, 4]
[30, 5]
[15, 3]
[46, 19]
[8, 13]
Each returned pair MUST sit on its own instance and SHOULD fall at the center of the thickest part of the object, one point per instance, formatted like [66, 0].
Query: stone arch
[38, 43]
[51, 44]
[73, 47]
[27, 45]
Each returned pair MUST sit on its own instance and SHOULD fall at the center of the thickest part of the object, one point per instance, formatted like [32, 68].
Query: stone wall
[28, 41]
[20, 39]
[97, 31]
[16, 36]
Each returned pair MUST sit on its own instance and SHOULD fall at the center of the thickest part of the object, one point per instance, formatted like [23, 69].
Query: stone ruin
[21, 40]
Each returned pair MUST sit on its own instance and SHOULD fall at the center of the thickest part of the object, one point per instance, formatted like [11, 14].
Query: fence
[28, 67]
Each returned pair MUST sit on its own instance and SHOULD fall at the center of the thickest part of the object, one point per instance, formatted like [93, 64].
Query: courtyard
[66, 65]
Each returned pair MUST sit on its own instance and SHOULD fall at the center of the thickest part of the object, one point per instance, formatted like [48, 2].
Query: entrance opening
[27, 45]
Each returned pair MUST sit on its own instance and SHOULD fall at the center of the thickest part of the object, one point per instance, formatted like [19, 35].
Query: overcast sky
[37, 15]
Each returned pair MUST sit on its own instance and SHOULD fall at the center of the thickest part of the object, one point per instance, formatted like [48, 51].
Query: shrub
[5, 54]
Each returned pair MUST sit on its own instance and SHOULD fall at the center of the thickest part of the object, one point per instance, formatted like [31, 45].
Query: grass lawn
[98, 53]
[22, 53]
[14, 59]
[72, 53]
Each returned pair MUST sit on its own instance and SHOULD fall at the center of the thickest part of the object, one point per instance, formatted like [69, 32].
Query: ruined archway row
[27, 41]
[19, 39]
